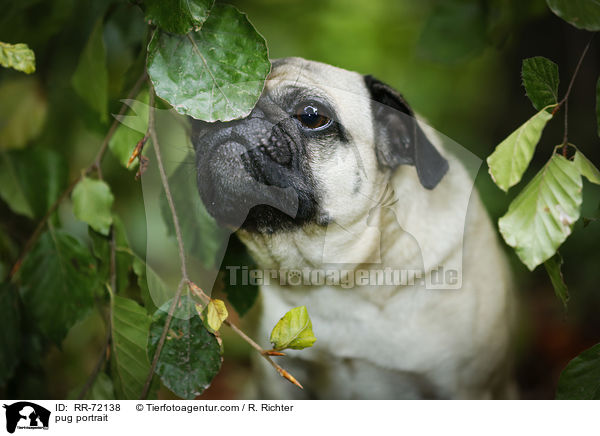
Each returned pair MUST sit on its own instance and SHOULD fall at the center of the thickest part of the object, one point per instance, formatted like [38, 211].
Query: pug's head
[318, 147]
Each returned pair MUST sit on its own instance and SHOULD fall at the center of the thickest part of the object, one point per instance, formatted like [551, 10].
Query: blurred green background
[457, 63]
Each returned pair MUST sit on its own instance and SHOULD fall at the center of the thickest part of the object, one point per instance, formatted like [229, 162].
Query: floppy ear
[399, 138]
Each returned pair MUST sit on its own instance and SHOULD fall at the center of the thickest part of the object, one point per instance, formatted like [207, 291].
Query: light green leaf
[23, 109]
[17, 56]
[130, 324]
[20, 175]
[580, 380]
[102, 389]
[540, 78]
[583, 14]
[90, 79]
[294, 330]
[586, 168]
[214, 314]
[92, 203]
[553, 268]
[178, 16]
[10, 333]
[191, 356]
[58, 278]
[131, 130]
[512, 156]
[543, 214]
[216, 73]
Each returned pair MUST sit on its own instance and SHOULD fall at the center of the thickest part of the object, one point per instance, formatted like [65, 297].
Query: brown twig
[161, 341]
[95, 165]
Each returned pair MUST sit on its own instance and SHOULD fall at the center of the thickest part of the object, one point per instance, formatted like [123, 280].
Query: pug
[354, 209]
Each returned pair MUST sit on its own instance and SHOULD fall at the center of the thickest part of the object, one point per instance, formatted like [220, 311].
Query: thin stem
[161, 341]
[165, 183]
[101, 360]
[95, 165]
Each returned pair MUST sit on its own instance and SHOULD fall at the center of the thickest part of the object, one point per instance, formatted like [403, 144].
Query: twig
[95, 165]
[165, 183]
[565, 99]
[161, 341]
[264, 353]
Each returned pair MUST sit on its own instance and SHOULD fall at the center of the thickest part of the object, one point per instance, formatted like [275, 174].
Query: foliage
[17, 56]
[294, 330]
[543, 214]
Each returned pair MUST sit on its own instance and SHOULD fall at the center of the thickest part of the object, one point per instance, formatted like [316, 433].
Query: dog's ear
[398, 136]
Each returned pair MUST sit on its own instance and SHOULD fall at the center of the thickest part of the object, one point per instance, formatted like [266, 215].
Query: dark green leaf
[92, 203]
[17, 56]
[20, 174]
[131, 130]
[294, 330]
[58, 280]
[10, 333]
[581, 378]
[102, 389]
[540, 78]
[583, 14]
[203, 237]
[178, 16]
[511, 157]
[216, 73]
[454, 32]
[191, 356]
[90, 79]
[543, 214]
[553, 268]
[130, 325]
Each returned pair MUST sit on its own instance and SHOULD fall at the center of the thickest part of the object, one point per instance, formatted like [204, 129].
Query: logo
[26, 415]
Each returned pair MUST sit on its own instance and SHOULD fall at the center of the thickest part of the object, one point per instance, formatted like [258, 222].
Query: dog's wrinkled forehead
[337, 85]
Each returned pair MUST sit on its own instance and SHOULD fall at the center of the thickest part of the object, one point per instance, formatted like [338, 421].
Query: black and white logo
[26, 415]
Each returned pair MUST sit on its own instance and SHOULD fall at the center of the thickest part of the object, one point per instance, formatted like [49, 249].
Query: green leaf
[583, 14]
[580, 380]
[10, 333]
[586, 168]
[191, 356]
[20, 175]
[553, 268]
[90, 79]
[512, 156]
[540, 78]
[58, 280]
[23, 110]
[130, 324]
[102, 389]
[543, 214]
[294, 330]
[131, 130]
[204, 238]
[178, 16]
[17, 56]
[214, 314]
[216, 73]
[92, 203]
[454, 32]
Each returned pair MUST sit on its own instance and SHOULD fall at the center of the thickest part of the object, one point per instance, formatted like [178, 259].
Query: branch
[101, 360]
[95, 165]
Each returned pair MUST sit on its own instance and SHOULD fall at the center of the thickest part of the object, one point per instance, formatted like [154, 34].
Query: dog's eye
[312, 116]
